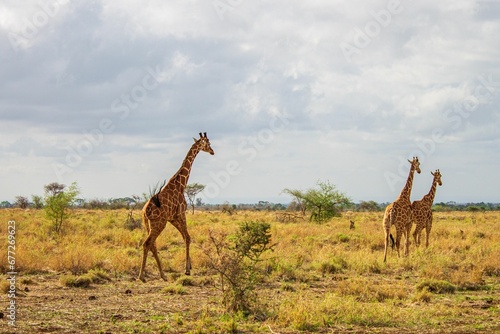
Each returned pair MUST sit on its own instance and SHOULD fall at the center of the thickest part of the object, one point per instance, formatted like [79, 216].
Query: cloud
[132, 82]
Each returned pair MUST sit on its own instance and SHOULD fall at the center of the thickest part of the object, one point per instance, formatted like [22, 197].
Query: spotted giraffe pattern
[399, 213]
[169, 205]
[422, 212]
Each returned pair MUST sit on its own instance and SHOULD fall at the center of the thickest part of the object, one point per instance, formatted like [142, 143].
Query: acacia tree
[368, 206]
[298, 197]
[57, 202]
[191, 191]
[21, 202]
[37, 201]
[323, 203]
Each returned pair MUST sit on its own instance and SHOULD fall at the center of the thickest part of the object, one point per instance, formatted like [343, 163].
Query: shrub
[57, 202]
[436, 286]
[174, 289]
[334, 266]
[423, 296]
[76, 281]
[236, 259]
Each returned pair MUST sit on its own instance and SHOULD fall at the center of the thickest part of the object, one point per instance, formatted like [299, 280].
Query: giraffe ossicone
[169, 205]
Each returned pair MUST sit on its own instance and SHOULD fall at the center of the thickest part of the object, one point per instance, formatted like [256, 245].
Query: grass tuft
[174, 289]
[436, 286]
[186, 281]
[4, 286]
[73, 281]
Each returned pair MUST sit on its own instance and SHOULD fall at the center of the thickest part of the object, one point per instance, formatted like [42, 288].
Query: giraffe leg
[419, 238]
[145, 250]
[398, 241]
[154, 250]
[187, 240]
[181, 226]
[386, 244]
[387, 229]
[427, 233]
[416, 236]
[407, 239]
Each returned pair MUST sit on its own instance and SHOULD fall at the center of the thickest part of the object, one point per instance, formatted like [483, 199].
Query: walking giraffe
[169, 205]
[399, 212]
[422, 212]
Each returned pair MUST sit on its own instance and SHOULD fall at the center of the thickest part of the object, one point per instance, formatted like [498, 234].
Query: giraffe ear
[194, 139]
[432, 173]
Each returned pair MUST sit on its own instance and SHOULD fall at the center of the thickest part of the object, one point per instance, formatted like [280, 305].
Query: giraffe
[422, 213]
[399, 212]
[169, 205]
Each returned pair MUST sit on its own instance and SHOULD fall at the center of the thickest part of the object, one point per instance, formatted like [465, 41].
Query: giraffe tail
[392, 241]
[155, 192]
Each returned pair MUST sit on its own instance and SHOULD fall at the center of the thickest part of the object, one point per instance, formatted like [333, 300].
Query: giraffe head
[437, 177]
[415, 164]
[204, 143]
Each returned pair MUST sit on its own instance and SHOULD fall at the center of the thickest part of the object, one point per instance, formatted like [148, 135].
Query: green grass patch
[174, 289]
[436, 286]
[73, 281]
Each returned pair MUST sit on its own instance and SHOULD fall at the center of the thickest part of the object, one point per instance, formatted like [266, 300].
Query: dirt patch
[122, 305]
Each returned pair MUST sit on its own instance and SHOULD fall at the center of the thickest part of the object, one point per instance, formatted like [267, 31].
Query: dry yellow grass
[318, 278]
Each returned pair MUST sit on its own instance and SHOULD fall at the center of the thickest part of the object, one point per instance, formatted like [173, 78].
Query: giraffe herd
[169, 205]
[402, 213]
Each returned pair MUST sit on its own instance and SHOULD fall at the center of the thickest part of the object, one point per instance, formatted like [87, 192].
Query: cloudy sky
[110, 94]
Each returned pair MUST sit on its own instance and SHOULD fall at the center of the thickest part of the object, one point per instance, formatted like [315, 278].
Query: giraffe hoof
[142, 279]
[188, 273]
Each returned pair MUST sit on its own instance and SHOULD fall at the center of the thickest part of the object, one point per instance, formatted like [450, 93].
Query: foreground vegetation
[317, 278]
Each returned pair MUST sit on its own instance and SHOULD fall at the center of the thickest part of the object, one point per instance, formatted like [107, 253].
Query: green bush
[436, 286]
[236, 259]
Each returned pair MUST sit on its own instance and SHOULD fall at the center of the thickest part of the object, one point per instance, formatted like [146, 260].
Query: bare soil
[126, 305]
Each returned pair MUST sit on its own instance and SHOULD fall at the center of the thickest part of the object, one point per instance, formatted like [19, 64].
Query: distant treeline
[438, 207]
[135, 202]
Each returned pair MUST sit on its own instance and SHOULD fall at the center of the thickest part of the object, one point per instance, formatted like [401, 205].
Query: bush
[96, 276]
[57, 202]
[236, 259]
[436, 286]
[76, 281]
[174, 289]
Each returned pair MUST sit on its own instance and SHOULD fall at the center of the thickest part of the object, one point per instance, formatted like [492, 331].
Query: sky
[109, 94]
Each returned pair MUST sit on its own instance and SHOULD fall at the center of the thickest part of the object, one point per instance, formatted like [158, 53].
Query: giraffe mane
[155, 192]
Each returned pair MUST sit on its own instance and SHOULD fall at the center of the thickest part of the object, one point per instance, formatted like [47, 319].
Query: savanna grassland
[320, 278]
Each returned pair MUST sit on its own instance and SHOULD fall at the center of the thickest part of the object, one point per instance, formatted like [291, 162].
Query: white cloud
[161, 72]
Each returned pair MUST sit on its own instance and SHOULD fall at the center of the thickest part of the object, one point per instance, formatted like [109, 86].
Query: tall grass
[359, 288]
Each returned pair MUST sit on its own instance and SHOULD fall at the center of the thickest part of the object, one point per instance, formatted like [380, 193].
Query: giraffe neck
[429, 198]
[182, 175]
[405, 193]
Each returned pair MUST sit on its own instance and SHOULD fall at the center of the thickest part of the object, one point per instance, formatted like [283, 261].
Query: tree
[21, 202]
[37, 201]
[298, 199]
[57, 202]
[5, 204]
[368, 206]
[54, 188]
[324, 203]
[191, 191]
